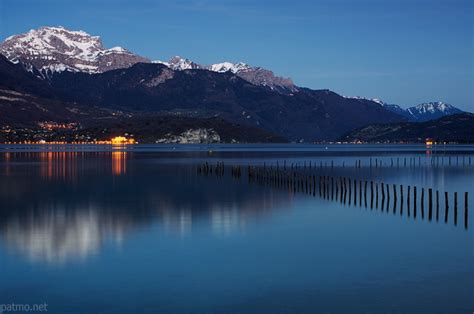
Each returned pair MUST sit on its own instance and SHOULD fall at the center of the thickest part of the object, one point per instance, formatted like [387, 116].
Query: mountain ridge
[421, 112]
[453, 128]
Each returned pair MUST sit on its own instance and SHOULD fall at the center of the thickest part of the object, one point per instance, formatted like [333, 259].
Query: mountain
[424, 112]
[255, 75]
[419, 113]
[78, 74]
[452, 128]
[431, 111]
[306, 115]
[26, 100]
[31, 111]
[56, 49]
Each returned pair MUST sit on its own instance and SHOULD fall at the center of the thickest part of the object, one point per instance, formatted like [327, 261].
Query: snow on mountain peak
[229, 66]
[433, 107]
[48, 40]
[376, 100]
[55, 49]
[179, 63]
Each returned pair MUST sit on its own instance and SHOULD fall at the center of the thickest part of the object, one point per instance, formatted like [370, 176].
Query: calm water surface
[101, 230]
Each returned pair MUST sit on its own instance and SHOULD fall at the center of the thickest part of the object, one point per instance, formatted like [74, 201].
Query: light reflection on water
[118, 213]
[70, 203]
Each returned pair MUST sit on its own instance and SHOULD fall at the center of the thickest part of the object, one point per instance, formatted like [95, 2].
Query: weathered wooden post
[446, 202]
[388, 197]
[355, 192]
[345, 191]
[437, 205]
[350, 189]
[401, 199]
[383, 195]
[465, 208]
[430, 203]
[376, 195]
[394, 198]
[414, 201]
[422, 203]
[371, 194]
[455, 208]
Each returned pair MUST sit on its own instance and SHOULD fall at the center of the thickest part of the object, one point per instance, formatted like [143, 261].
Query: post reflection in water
[147, 228]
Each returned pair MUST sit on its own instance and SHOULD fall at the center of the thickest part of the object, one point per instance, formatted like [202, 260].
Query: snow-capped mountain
[180, 64]
[419, 113]
[255, 75]
[229, 66]
[432, 110]
[56, 49]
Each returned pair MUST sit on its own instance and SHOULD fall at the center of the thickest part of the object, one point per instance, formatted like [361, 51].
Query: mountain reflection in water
[58, 207]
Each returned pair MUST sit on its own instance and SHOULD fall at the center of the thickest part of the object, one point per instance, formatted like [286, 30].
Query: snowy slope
[419, 113]
[55, 49]
[255, 75]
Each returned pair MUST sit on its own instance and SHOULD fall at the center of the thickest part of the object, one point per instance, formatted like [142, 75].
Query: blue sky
[403, 51]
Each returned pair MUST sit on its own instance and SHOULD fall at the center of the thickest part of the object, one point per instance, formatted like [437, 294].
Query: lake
[101, 229]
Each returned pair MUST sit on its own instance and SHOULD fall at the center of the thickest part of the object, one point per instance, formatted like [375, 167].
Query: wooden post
[455, 208]
[383, 195]
[401, 199]
[422, 203]
[414, 201]
[408, 200]
[355, 192]
[430, 203]
[388, 197]
[350, 190]
[437, 205]
[365, 193]
[465, 207]
[371, 194]
[345, 191]
[376, 195]
[447, 207]
[394, 198]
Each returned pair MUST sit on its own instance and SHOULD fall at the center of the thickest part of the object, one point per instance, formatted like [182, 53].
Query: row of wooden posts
[398, 162]
[410, 162]
[208, 169]
[349, 191]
